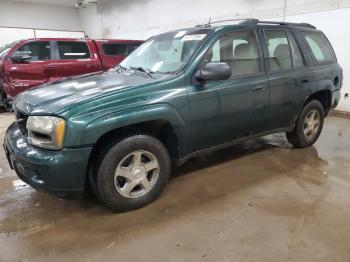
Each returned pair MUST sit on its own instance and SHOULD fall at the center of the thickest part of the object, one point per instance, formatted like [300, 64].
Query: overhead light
[84, 3]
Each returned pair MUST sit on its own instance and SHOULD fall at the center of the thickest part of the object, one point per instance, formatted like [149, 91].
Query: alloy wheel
[136, 174]
[311, 124]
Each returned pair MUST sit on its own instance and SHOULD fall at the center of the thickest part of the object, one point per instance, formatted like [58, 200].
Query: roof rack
[252, 21]
[243, 20]
[256, 21]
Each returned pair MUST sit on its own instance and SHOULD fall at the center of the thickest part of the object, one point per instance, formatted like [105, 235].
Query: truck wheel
[2, 107]
[309, 125]
[132, 173]
[3, 102]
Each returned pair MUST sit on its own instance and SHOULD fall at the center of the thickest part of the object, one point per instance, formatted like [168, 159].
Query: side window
[239, 50]
[131, 48]
[115, 49]
[73, 50]
[278, 48]
[39, 51]
[297, 59]
[319, 46]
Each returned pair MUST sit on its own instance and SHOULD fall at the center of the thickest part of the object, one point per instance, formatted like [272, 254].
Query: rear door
[285, 73]
[38, 70]
[75, 58]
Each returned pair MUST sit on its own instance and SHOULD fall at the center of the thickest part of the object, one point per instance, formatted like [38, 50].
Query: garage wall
[25, 20]
[15, 14]
[144, 18]
[91, 21]
[140, 19]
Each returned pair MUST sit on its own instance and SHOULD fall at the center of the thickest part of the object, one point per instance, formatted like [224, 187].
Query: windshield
[5, 48]
[165, 53]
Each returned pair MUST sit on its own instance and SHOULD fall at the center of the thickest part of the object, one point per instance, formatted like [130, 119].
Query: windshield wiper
[143, 70]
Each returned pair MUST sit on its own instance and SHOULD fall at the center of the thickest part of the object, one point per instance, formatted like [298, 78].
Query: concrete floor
[261, 201]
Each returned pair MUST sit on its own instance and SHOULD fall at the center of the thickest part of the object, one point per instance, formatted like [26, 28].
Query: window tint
[297, 59]
[320, 47]
[73, 50]
[278, 48]
[132, 47]
[115, 49]
[239, 50]
[39, 51]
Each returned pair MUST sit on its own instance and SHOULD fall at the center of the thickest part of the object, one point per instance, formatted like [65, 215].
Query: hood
[51, 98]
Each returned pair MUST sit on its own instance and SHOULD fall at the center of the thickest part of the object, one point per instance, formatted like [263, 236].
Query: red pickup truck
[28, 63]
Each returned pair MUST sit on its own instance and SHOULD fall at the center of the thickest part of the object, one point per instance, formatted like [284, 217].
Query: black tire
[105, 188]
[297, 137]
[4, 105]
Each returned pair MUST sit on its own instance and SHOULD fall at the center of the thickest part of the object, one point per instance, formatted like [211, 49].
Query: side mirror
[20, 57]
[214, 71]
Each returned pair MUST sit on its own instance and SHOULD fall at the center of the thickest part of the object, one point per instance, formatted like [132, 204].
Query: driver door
[38, 70]
[225, 110]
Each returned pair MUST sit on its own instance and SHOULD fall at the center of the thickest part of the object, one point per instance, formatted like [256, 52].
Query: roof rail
[243, 20]
[256, 21]
[252, 21]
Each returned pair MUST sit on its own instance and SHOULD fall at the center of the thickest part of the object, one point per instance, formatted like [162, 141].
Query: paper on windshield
[196, 37]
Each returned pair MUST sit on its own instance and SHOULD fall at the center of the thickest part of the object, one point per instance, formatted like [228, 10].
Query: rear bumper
[62, 173]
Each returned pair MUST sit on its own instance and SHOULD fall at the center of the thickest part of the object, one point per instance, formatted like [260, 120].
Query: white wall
[15, 14]
[140, 19]
[90, 21]
[25, 20]
[144, 18]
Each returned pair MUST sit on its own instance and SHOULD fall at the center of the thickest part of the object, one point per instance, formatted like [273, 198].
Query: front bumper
[335, 98]
[62, 173]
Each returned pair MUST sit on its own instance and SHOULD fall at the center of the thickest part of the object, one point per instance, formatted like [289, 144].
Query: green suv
[180, 94]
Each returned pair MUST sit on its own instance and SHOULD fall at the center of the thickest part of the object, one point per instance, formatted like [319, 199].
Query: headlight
[46, 131]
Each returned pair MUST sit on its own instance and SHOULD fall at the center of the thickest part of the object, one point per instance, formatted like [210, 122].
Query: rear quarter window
[118, 48]
[321, 49]
[132, 47]
[115, 49]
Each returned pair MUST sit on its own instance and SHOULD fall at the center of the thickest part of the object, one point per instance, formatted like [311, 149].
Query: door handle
[258, 88]
[89, 65]
[305, 79]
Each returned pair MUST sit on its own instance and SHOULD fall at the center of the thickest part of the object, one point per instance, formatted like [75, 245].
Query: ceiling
[69, 3]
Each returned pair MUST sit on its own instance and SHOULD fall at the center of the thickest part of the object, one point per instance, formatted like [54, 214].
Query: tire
[3, 103]
[303, 134]
[2, 106]
[139, 164]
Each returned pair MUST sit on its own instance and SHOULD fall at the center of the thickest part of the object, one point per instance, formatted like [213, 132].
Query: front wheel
[309, 125]
[132, 173]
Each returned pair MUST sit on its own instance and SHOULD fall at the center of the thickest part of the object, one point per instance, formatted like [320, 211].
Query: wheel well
[324, 96]
[160, 129]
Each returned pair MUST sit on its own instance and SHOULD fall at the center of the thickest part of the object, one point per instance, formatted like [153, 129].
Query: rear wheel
[309, 125]
[132, 173]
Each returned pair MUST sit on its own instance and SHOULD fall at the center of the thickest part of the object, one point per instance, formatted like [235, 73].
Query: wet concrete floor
[260, 201]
